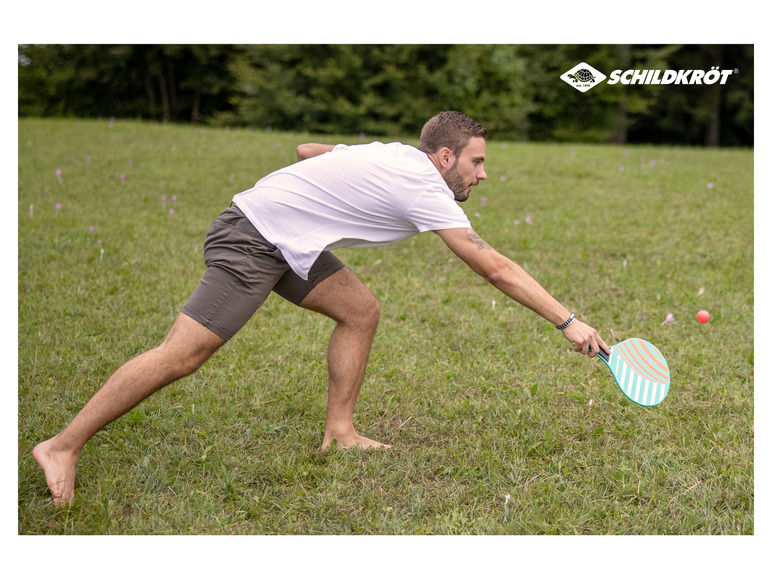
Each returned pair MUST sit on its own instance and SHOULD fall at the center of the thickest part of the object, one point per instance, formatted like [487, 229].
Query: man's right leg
[187, 346]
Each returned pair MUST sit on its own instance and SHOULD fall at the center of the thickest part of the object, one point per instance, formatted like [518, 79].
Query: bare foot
[59, 469]
[354, 441]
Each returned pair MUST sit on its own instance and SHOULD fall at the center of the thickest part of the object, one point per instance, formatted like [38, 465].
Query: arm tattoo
[477, 240]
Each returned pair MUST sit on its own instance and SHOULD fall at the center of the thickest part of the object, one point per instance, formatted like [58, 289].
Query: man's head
[455, 143]
[449, 129]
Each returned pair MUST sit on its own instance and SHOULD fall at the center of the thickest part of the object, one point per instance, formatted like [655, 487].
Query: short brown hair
[449, 129]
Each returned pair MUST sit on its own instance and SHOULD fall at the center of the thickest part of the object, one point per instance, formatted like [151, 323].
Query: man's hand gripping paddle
[640, 370]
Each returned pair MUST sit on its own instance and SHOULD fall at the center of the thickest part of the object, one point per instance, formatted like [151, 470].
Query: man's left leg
[346, 300]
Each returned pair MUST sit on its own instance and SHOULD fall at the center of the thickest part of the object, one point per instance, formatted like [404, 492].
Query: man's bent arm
[514, 281]
[308, 150]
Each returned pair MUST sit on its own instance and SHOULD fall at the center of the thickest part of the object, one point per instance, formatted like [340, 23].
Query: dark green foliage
[514, 90]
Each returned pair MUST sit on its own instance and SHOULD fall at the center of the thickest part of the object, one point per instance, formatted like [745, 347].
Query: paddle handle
[603, 355]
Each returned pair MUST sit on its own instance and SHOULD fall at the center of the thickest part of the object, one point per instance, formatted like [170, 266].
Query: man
[277, 237]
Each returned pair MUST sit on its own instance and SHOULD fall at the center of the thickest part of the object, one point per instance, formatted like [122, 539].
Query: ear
[446, 157]
[443, 159]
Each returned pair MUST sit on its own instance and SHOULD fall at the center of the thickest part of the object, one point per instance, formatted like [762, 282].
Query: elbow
[491, 272]
[500, 272]
[302, 152]
[494, 276]
[308, 150]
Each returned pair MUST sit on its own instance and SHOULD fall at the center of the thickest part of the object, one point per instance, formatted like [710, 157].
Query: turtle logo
[583, 77]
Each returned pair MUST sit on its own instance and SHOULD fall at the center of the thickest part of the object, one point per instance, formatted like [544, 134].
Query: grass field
[497, 426]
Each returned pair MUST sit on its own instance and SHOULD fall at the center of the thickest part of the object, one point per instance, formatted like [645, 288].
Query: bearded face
[467, 170]
[456, 183]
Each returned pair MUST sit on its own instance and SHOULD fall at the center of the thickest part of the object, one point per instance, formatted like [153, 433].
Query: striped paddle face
[640, 370]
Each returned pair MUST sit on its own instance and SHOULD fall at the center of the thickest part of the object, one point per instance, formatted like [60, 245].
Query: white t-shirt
[354, 196]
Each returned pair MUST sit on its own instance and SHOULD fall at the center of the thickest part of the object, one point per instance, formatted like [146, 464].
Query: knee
[178, 363]
[187, 366]
[364, 313]
[374, 311]
[186, 347]
[181, 361]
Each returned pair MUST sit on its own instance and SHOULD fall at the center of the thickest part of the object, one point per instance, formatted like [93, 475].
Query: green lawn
[497, 426]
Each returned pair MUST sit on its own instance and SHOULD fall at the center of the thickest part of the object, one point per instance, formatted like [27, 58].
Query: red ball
[703, 316]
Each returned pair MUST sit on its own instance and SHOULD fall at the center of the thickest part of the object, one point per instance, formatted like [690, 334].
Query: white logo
[583, 77]
[711, 76]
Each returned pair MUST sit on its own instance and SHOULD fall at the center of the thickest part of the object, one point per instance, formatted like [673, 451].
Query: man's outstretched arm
[512, 280]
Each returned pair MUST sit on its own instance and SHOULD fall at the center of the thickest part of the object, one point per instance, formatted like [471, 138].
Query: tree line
[514, 90]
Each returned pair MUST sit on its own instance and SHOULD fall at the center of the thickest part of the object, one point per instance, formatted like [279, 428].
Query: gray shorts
[242, 268]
